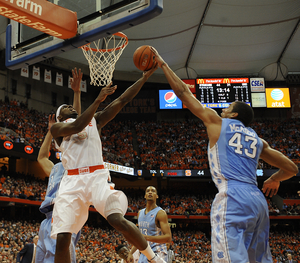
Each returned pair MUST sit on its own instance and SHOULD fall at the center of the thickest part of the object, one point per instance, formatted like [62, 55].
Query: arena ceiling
[202, 38]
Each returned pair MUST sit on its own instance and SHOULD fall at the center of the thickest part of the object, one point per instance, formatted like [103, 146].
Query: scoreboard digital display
[220, 92]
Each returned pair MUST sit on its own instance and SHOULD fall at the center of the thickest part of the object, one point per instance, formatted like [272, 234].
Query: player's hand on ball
[149, 72]
[158, 58]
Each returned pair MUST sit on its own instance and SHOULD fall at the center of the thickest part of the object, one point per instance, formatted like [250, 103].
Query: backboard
[95, 18]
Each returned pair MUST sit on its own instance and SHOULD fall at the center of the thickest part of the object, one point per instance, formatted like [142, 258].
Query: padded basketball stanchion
[102, 61]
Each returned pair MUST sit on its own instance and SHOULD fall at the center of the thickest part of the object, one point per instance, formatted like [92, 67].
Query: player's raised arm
[43, 156]
[182, 91]
[75, 85]
[62, 129]
[107, 114]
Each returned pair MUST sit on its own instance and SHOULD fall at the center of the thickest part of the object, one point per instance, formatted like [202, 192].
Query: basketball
[143, 58]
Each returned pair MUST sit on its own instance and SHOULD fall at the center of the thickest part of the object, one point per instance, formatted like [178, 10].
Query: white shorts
[75, 195]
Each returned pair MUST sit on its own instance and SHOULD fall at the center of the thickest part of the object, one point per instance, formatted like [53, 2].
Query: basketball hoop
[102, 56]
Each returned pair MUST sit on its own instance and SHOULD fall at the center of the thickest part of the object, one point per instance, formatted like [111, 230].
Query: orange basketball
[143, 58]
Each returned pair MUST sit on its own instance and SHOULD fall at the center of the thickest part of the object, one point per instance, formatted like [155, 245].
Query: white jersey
[82, 149]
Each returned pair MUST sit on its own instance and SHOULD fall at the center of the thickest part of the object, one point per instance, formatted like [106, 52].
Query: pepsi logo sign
[169, 100]
[170, 97]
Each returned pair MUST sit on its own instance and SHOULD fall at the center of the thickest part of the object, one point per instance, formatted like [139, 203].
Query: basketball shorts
[45, 250]
[77, 193]
[240, 225]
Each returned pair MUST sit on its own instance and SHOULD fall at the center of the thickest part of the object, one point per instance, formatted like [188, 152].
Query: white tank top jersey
[82, 149]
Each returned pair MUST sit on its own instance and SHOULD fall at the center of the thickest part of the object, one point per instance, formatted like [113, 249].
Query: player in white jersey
[45, 250]
[239, 215]
[153, 224]
[86, 180]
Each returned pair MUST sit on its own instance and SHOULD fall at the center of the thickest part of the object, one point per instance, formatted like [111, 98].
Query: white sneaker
[157, 259]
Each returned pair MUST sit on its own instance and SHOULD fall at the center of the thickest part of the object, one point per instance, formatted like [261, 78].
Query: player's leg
[69, 215]
[62, 254]
[74, 241]
[259, 250]
[40, 248]
[228, 223]
[48, 244]
[234, 222]
[218, 234]
[128, 229]
[112, 205]
[133, 235]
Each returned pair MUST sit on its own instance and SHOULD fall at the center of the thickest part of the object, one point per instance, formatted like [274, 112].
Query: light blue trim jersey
[56, 174]
[235, 155]
[148, 227]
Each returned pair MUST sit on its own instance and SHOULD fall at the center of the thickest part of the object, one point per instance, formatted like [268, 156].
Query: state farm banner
[41, 15]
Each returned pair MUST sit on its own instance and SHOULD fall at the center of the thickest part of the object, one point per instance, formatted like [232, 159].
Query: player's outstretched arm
[287, 169]
[182, 91]
[61, 129]
[75, 85]
[166, 236]
[43, 156]
[107, 114]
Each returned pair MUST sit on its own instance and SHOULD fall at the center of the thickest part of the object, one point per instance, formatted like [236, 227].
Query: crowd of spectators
[190, 244]
[144, 145]
[177, 145]
[20, 185]
[182, 202]
[22, 125]
[148, 145]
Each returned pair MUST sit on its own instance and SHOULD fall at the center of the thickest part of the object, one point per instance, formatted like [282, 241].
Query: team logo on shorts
[220, 254]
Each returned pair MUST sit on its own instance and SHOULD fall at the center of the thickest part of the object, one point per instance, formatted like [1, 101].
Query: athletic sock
[148, 252]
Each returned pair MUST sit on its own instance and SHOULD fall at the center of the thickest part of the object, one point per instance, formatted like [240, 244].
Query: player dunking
[153, 223]
[45, 251]
[86, 180]
[239, 214]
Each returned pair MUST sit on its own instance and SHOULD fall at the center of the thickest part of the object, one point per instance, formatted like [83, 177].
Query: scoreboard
[220, 92]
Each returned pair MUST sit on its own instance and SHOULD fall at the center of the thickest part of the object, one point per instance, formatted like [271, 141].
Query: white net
[102, 56]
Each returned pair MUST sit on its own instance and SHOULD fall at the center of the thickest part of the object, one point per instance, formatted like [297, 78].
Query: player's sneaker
[157, 259]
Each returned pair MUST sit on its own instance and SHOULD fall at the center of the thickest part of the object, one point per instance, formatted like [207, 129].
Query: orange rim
[120, 34]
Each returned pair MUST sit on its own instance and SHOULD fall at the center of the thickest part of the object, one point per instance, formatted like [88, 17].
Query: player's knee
[63, 241]
[117, 221]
